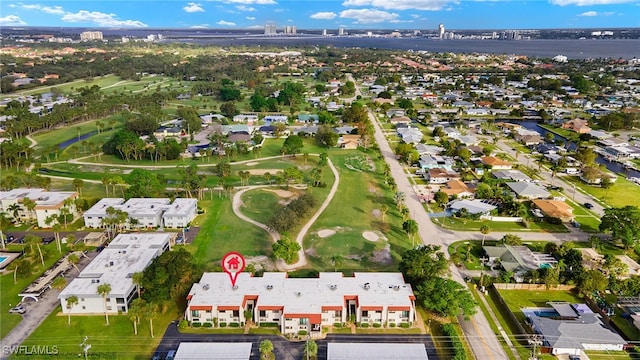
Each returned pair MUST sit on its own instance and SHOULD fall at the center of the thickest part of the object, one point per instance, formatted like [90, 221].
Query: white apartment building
[148, 212]
[115, 265]
[91, 35]
[47, 203]
[297, 304]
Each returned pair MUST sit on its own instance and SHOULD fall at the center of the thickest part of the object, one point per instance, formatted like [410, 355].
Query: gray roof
[472, 206]
[376, 351]
[515, 175]
[528, 190]
[572, 334]
[213, 351]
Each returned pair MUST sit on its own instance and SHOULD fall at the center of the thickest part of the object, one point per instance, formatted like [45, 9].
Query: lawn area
[259, 204]
[57, 136]
[10, 291]
[518, 299]
[474, 225]
[69, 88]
[622, 193]
[116, 341]
[567, 134]
[358, 199]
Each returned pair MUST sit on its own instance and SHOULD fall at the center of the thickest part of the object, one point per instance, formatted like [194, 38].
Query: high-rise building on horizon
[290, 29]
[270, 29]
[324, 32]
[341, 31]
[91, 35]
[441, 31]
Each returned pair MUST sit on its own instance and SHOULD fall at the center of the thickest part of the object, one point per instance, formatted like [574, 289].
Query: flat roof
[178, 206]
[41, 197]
[213, 351]
[125, 255]
[376, 351]
[303, 295]
[100, 208]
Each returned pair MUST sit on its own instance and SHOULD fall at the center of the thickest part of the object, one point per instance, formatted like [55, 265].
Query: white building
[297, 304]
[47, 203]
[115, 265]
[147, 212]
[91, 35]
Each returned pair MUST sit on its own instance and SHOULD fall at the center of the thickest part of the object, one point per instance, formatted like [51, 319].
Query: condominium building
[115, 265]
[91, 35]
[145, 212]
[47, 203]
[297, 304]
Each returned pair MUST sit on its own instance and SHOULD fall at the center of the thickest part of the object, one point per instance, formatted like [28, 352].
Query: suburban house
[528, 190]
[148, 212]
[495, 163]
[125, 255]
[349, 141]
[302, 304]
[518, 259]
[246, 118]
[308, 118]
[440, 176]
[427, 162]
[555, 209]
[510, 175]
[578, 125]
[572, 328]
[399, 120]
[164, 131]
[45, 204]
[458, 188]
[423, 149]
[471, 206]
[409, 135]
[276, 118]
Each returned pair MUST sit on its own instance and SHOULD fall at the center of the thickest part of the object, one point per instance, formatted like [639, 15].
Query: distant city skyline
[332, 14]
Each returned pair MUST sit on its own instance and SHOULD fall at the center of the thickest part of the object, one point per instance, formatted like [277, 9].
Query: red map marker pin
[233, 263]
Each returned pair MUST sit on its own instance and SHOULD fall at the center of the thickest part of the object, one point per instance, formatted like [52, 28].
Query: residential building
[379, 350]
[147, 212]
[555, 209]
[115, 265]
[349, 141]
[213, 351]
[428, 162]
[472, 206]
[458, 188]
[400, 120]
[528, 190]
[47, 203]
[510, 175]
[440, 176]
[91, 35]
[578, 125]
[495, 163]
[246, 118]
[302, 304]
[518, 259]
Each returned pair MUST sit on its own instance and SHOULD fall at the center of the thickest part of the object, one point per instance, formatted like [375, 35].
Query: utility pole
[85, 347]
[535, 341]
[482, 261]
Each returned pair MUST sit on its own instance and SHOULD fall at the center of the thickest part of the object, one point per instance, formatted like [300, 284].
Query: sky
[327, 14]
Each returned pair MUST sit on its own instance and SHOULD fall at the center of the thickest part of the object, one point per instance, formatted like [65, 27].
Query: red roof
[201, 307]
[331, 307]
[313, 318]
[399, 308]
[228, 307]
[371, 308]
[271, 307]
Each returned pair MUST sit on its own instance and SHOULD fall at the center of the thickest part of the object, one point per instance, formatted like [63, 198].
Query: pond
[76, 139]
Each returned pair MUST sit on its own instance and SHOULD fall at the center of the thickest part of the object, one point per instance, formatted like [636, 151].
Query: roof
[494, 161]
[554, 208]
[302, 295]
[528, 190]
[41, 197]
[213, 351]
[515, 175]
[514, 258]
[472, 206]
[455, 187]
[572, 334]
[376, 351]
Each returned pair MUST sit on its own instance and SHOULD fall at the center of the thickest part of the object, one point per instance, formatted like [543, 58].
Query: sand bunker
[263, 171]
[326, 233]
[370, 235]
[251, 164]
[281, 193]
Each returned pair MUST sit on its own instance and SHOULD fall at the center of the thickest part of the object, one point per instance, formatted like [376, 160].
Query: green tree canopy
[292, 145]
[445, 297]
[423, 262]
[286, 249]
[169, 276]
[623, 223]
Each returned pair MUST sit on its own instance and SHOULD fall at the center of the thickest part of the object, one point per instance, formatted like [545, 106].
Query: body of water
[76, 139]
[610, 165]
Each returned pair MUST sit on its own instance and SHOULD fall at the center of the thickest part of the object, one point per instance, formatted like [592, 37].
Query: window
[236, 313]
[263, 313]
[365, 313]
[405, 314]
[304, 321]
[195, 313]
[108, 300]
[81, 299]
[84, 308]
[120, 300]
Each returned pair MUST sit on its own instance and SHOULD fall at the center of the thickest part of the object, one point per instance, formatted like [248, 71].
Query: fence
[501, 218]
[507, 286]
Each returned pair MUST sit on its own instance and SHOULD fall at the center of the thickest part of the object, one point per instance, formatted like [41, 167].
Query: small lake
[610, 165]
[76, 139]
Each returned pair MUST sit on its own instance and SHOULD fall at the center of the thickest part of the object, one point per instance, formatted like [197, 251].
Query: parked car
[171, 355]
[588, 205]
[17, 310]
[100, 248]
[48, 240]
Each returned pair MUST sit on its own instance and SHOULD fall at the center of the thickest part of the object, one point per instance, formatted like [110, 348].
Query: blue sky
[328, 14]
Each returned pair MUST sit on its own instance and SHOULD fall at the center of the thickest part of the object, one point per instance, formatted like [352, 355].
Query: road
[478, 333]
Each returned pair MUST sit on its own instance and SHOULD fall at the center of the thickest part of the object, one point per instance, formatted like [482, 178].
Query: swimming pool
[546, 313]
[2, 259]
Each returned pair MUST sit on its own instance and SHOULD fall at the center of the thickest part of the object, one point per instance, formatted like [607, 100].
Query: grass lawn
[259, 204]
[10, 291]
[622, 193]
[381, 331]
[469, 253]
[608, 355]
[567, 134]
[518, 299]
[116, 341]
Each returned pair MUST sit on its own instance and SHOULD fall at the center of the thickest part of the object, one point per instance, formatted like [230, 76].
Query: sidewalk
[503, 333]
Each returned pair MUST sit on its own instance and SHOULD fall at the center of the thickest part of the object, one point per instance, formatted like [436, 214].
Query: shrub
[234, 324]
[302, 332]
[269, 324]
[405, 325]
[376, 325]
[337, 325]
[458, 349]
[196, 324]
[223, 324]
[183, 324]
[392, 324]
[207, 325]
[364, 325]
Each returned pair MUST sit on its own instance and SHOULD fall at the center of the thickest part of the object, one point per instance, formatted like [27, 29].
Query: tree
[423, 262]
[511, 239]
[59, 283]
[441, 198]
[615, 266]
[383, 211]
[150, 312]
[623, 223]
[34, 241]
[266, 349]
[169, 276]
[104, 290]
[292, 145]
[593, 280]
[606, 184]
[286, 249]
[137, 278]
[74, 259]
[145, 183]
[337, 262]
[411, 228]
[446, 297]
[406, 153]
[136, 312]
[229, 109]
[484, 230]
[71, 302]
[311, 348]
[5, 222]
[78, 184]
[326, 137]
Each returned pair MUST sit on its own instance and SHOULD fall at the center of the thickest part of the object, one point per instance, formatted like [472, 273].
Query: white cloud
[250, 18]
[589, 13]
[193, 7]
[11, 20]
[245, 8]
[101, 19]
[203, 26]
[226, 23]
[588, 2]
[55, 10]
[324, 15]
[368, 16]
[251, 2]
[401, 4]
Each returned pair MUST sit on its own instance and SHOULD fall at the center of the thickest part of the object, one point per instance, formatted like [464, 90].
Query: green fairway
[116, 341]
[259, 204]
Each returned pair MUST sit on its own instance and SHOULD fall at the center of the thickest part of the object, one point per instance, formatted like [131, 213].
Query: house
[458, 188]
[125, 255]
[518, 259]
[468, 140]
[45, 204]
[451, 132]
[164, 131]
[428, 149]
[246, 118]
[471, 206]
[528, 190]
[510, 175]
[529, 140]
[305, 118]
[399, 120]
[276, 118]
[555, 209]
[349, 141]
[302, 304]
[574, 329]
[410, 135]
[427, 162]
[381, 101]
[440, 176]
[304, 130]
[238, 137]
[394, 112]
[594, 176]
[147, 212]
[495, 163]
[578, 125]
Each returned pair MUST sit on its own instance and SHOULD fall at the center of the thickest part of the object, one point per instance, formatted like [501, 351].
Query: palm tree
[14, 209]
[383, 211]
[136, 311]
[5, 222]
[78, 184]
[484, 230]
[266, 348]
[106, 181]
[71, 302]
[151, 311]
[30, 205]
[32, 241]
[136, 277]
[411, 228]
[59, 283]
[19, 265]
[311, 349]
[104, 290]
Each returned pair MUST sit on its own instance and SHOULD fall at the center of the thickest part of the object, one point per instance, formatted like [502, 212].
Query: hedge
[207, 324]
[376, 325]
[458, 349]
[234, 324]
[405, 325]
[223, 325]
[269, 324]
[196, 324]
